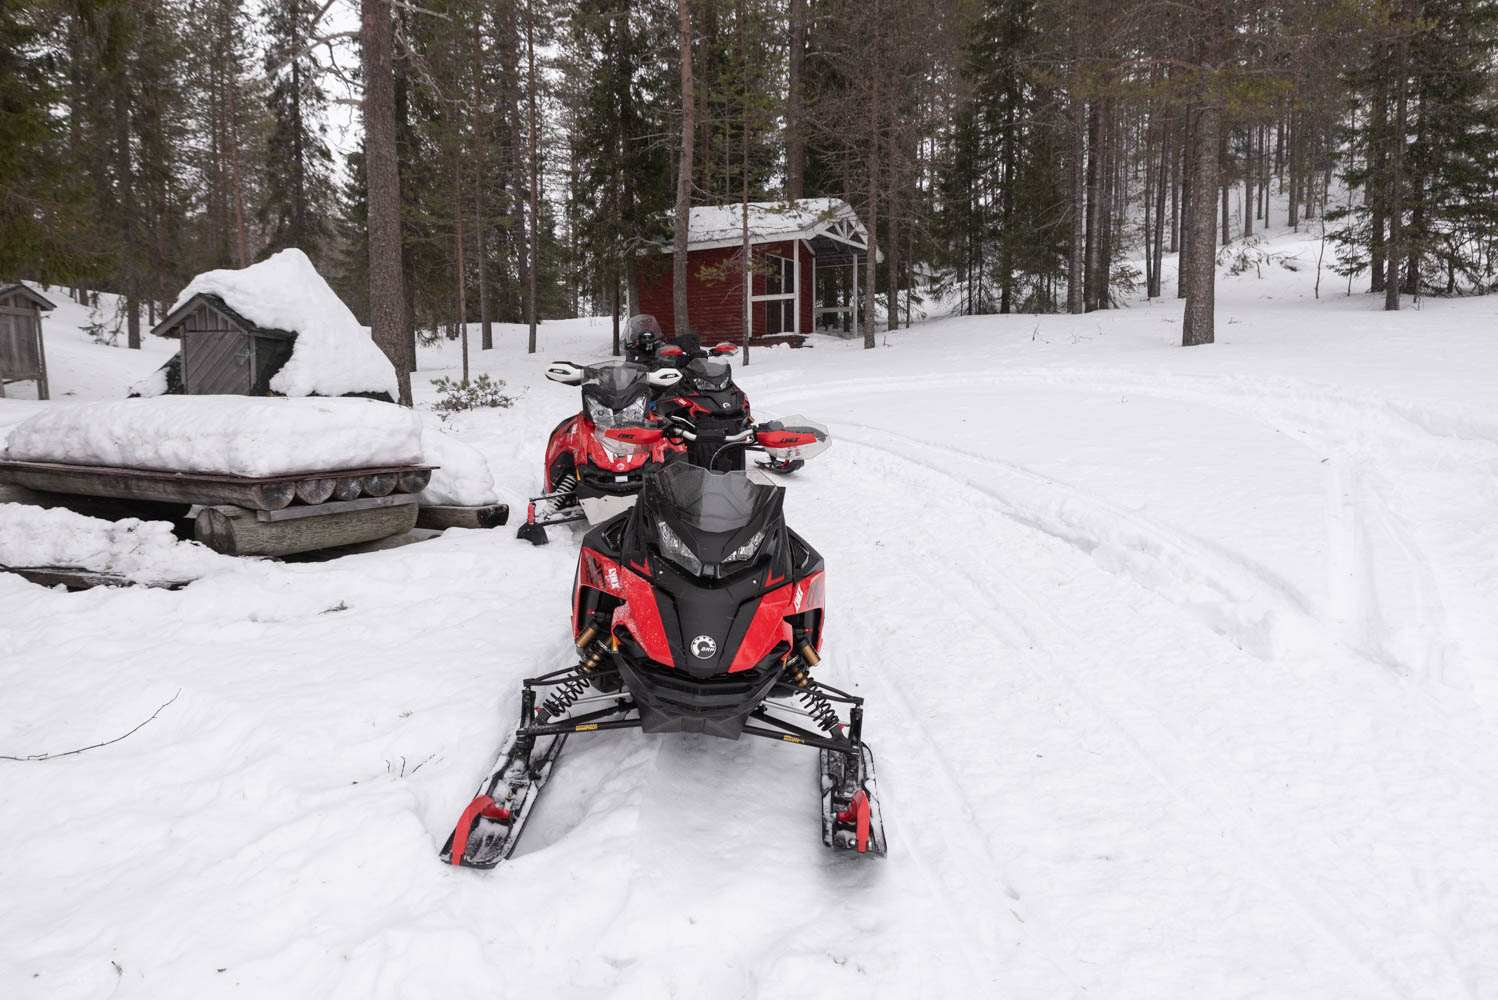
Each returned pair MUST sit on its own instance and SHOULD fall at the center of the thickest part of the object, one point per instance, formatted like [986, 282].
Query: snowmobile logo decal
[704, 647]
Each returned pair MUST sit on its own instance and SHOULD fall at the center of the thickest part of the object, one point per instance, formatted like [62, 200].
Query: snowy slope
[1180, 668]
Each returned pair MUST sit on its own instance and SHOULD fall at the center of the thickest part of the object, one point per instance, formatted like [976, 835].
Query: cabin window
[780, 278]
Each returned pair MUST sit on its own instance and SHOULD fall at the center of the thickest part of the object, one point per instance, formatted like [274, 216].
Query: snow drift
[228, 435]
[143, 551]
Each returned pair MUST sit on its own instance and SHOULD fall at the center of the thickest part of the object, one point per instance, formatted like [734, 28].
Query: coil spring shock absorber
[564, 490]
[810, 693]
[566, 695]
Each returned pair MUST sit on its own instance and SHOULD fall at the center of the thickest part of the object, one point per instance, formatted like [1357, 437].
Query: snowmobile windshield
[616, 393]
[715, 502]
[709, 376]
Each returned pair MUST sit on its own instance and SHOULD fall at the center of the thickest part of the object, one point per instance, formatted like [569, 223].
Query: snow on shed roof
[25, 291]
[332, 354]
[772, 221]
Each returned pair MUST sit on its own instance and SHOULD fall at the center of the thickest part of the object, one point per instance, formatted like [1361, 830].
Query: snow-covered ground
[1182, 670]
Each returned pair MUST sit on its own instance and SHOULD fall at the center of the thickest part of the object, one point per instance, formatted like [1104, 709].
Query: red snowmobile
[587, 469]
[697, 611]
[593, 474]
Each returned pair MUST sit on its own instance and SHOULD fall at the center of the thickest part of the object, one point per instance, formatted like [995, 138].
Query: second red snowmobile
[592, 474]
[698, 611]
[588, 469]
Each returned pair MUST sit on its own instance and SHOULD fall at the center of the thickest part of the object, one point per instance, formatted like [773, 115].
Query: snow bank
[462, 475]
[230, 435]
[143, 551]
[333, 354]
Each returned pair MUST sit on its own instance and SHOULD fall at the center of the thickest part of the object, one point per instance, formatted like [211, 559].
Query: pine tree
[298, 177]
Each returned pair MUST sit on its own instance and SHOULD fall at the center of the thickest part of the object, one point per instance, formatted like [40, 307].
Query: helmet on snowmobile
[642, 338]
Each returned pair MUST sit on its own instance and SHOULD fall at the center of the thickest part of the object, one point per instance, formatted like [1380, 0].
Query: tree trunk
[1377, 191]
[481, 258]
[1094, 206]
[1396, 163]
[870, 262]
[1189, 153]
[535, 226]
[1162, 182]
[128, 208]
[508, 60]
[462, 290]
[683, 219]
[1201, 250]
[1076, 297]
[795, 119]
[1250, 168]
[1222, 173]
[387, 282]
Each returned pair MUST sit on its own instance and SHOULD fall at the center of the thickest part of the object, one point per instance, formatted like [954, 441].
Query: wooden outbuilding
[224, 354]
[23, 356]
[807, 257]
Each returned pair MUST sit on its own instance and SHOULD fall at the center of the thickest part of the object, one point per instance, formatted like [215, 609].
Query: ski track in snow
[1327, 911]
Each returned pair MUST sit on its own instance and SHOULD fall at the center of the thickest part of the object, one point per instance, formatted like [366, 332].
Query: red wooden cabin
[807, 256]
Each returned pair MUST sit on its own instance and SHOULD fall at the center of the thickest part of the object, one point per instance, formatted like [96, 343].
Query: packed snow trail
[1179, 668]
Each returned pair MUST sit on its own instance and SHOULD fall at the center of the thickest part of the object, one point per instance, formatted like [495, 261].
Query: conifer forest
[448, 161]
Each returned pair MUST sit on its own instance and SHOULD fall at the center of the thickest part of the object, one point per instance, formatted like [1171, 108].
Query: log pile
[242, 516]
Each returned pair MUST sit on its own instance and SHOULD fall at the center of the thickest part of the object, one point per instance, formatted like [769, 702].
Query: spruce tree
[298, 171]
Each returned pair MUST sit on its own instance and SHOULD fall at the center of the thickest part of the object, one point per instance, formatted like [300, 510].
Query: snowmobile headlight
[747, 550]
[605, 417]
[676, 550]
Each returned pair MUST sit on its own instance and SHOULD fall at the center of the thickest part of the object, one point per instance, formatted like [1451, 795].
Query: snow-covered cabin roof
[31, 295]
[332, 354]
[715, 226]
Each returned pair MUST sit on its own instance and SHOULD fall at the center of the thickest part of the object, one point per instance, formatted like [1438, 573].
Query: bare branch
[95, 746]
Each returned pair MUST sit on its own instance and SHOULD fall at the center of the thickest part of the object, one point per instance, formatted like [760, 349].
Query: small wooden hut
[23, 357]
[224, 354]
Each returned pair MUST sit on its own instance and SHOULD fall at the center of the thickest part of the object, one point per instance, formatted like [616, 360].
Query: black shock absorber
[567, 694]
[810, 693]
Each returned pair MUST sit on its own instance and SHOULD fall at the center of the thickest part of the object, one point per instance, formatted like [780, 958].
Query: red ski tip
[530, 512]
[484, 806]
[858, 814]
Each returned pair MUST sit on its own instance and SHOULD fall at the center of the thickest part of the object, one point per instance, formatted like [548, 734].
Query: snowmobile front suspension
[560, 507]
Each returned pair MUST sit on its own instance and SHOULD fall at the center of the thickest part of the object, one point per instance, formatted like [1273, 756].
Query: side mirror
[564, 372]
[724, 348]
[664, 378]
[643, 436]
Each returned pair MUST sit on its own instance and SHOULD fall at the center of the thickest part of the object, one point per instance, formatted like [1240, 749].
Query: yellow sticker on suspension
[584, 727]
[793, 739]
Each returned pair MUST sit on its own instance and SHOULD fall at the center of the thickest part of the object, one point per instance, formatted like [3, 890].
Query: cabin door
[216, 362]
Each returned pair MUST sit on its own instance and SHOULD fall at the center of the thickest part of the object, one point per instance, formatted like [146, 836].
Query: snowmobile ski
[851, 820]
[490, 827]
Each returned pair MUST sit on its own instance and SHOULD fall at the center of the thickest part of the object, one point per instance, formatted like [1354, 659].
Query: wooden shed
[807, 255]
[23, 356]
[224, 354]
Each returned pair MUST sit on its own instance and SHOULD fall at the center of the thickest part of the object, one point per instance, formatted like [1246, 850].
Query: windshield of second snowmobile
[709, 375]
[616, 394]
[715, 502]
